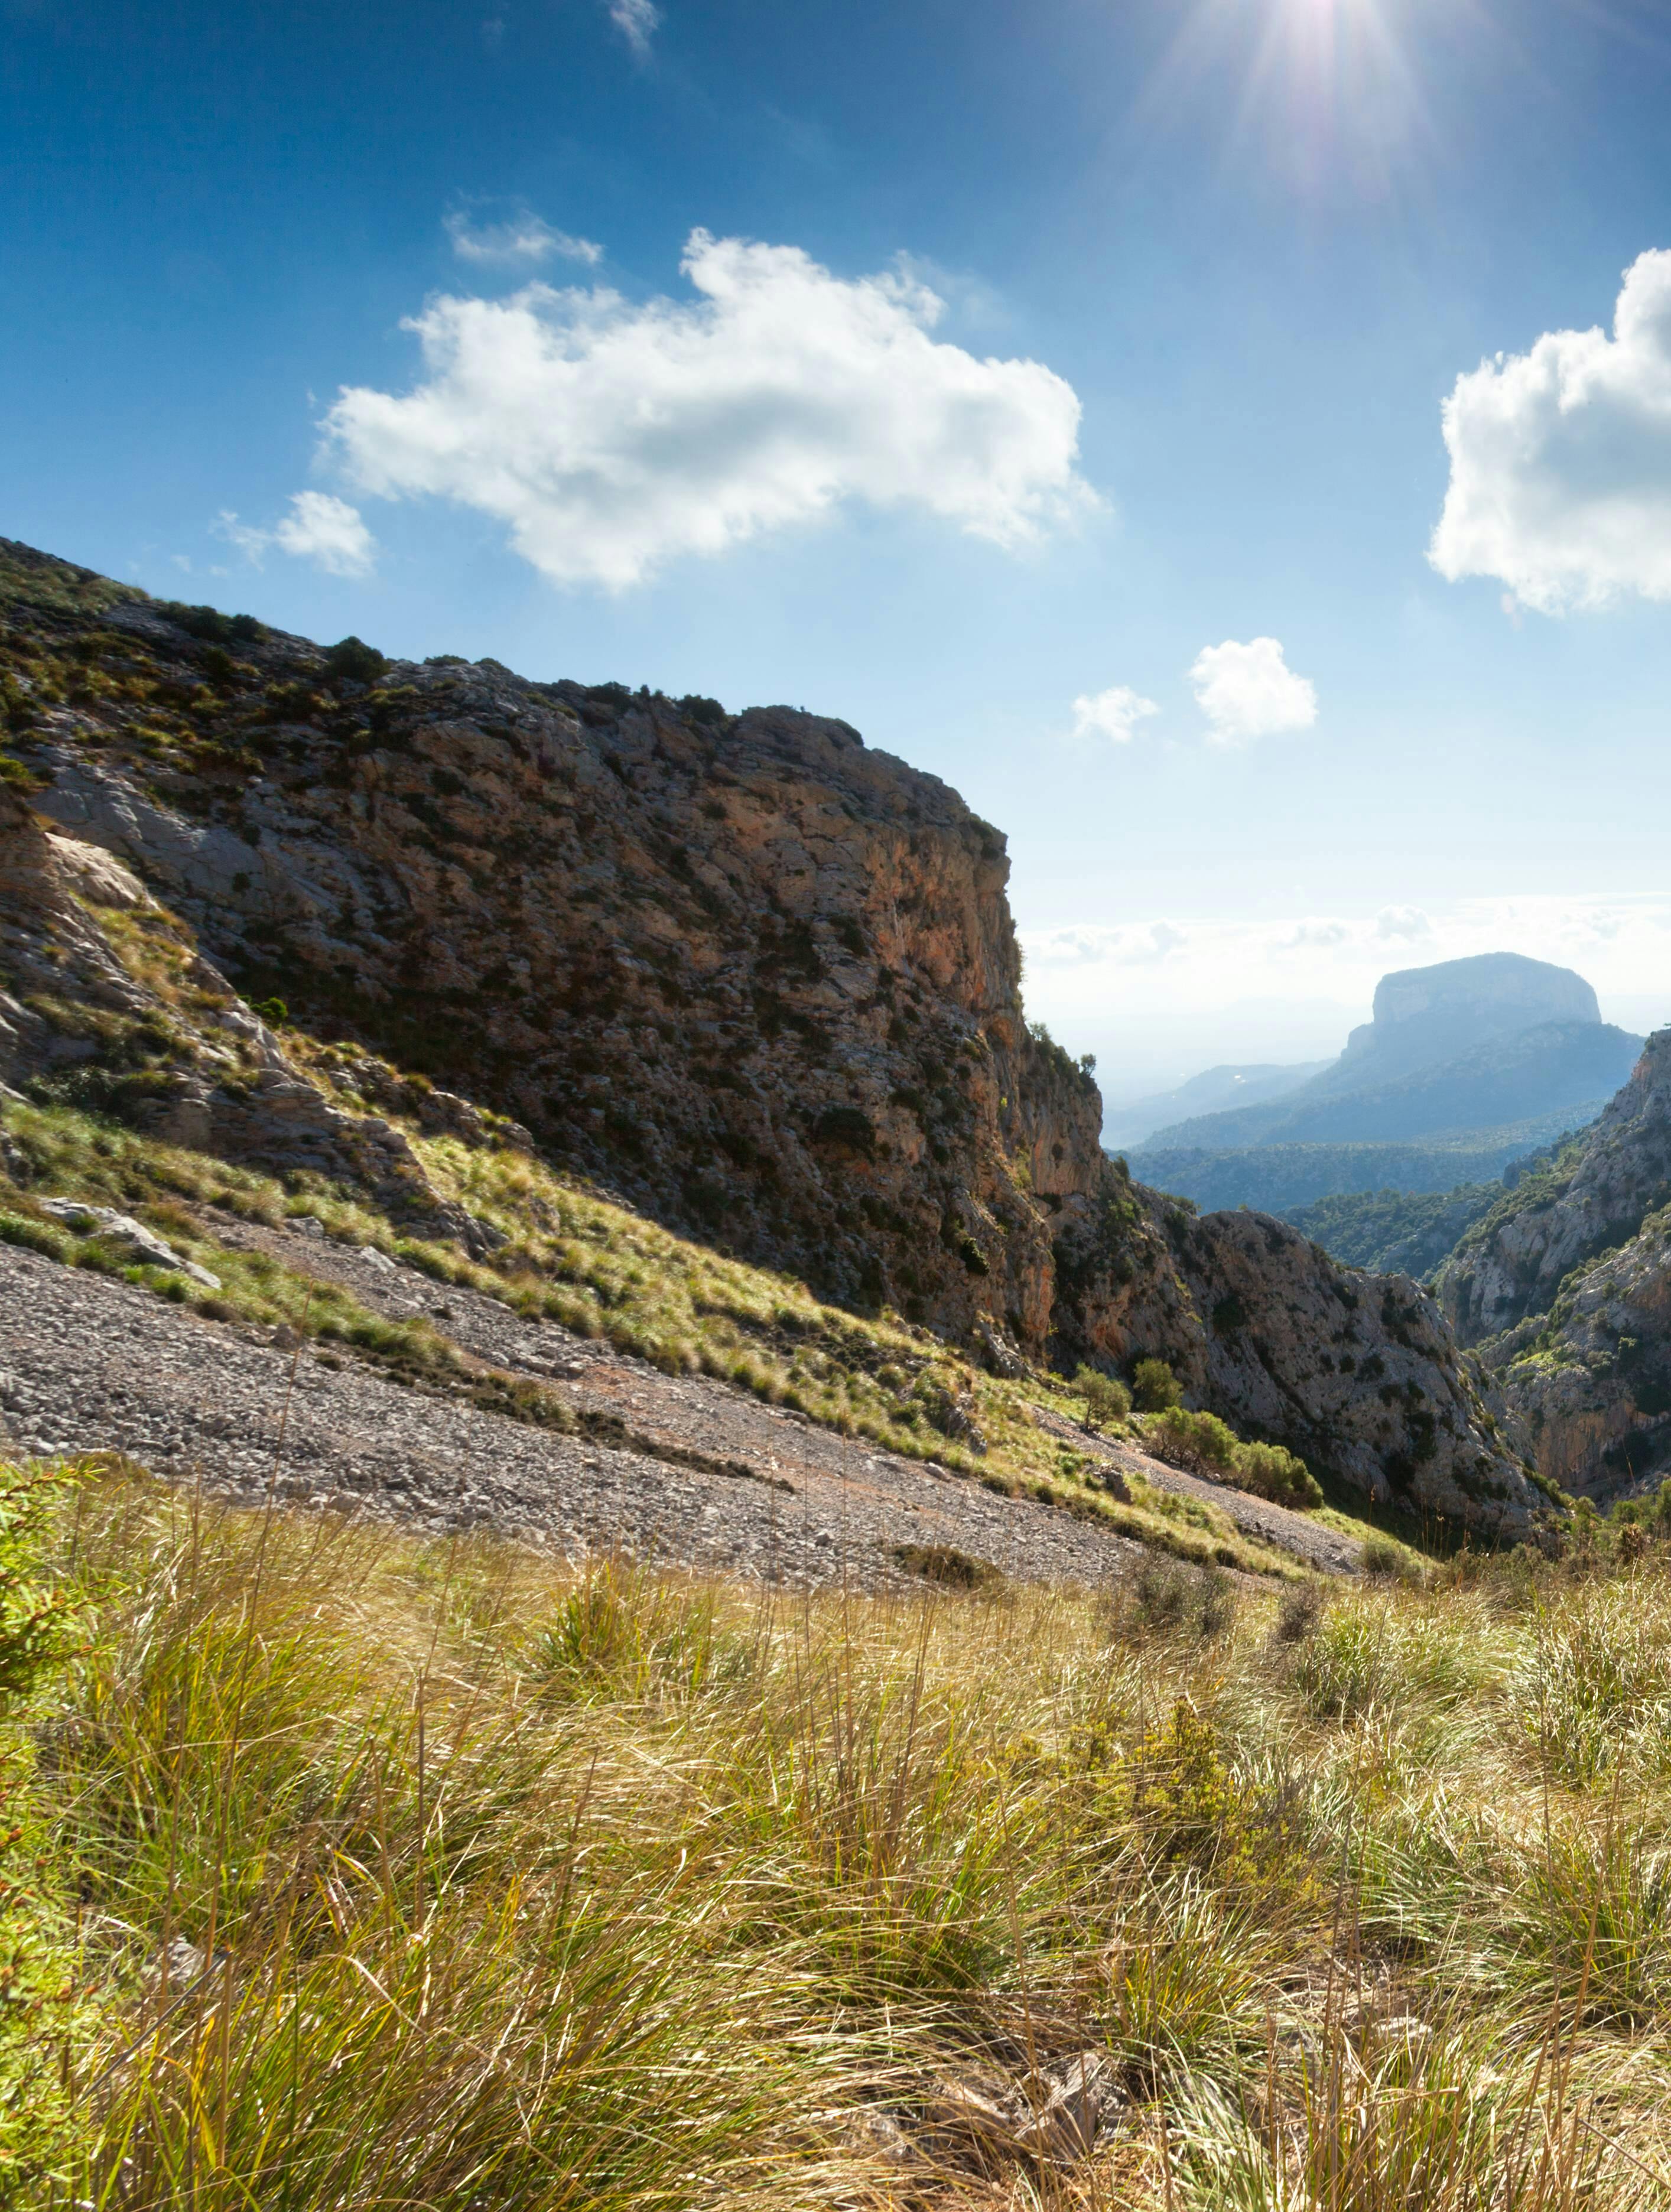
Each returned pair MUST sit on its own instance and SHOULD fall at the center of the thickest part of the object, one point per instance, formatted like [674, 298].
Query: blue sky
[1105, 352]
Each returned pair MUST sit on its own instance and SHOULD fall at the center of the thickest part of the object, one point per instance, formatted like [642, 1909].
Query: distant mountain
[1129, 1121]
[1555, 1068]
[1426, 1017]
[1278, 1178]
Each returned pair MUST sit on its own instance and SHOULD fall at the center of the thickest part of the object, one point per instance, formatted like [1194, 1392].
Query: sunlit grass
[575, 1258]
[506, 1885]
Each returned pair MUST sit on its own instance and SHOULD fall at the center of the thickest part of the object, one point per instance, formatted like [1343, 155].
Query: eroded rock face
[1588, 1384]
[759, 979]
[190, 1063]
[1512, 1263]
[1565, 1289]
[1357, 1373]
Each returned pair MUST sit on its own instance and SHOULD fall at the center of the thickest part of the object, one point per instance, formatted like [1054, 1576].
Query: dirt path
[88, 1362]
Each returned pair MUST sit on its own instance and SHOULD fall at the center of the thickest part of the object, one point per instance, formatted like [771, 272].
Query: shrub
[1165, 1597]
[1269, 1471]
[1155, 1387]
[1205, 1445]
[1199, 1441]
[352, 661]
[947, 1564]
[1107, 1400]
[1384, 1560]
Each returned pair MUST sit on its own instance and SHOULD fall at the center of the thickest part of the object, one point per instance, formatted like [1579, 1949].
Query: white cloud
[613, 437]
[1250, 691]
[1316, 933]
[1560, 459]
[328, 532]
[522, 236]
[319, 528]
[1407, 921]
[1209, 976]
[638, 20]
[1114, 713]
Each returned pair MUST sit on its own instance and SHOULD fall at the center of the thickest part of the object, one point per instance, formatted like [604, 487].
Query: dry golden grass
[507, 1885]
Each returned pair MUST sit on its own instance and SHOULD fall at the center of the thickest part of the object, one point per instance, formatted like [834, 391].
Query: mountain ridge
[755, 977]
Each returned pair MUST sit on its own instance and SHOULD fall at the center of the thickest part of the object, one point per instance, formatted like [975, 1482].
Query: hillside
[752, 978]
[1394, 1231]
[367, 1870]
[1281, 1177]
[1564, 1289]
[1129, 1121]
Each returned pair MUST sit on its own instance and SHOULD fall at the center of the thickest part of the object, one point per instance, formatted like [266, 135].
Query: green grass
[506, 1885]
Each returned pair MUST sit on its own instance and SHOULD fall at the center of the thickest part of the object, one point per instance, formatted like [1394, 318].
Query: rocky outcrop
[1357, 1373]
[1595, 1195]
[1588, 1386]
[757, 977]
[133, 1021]
[1564, 1287]
[760, 979]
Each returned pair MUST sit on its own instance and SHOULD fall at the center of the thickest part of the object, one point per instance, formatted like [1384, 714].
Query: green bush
[1108, 1400]
[352, 661]
[1155, 1387]
[1205, 1445]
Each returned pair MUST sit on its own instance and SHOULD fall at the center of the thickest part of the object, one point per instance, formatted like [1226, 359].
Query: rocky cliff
[1565, 1288]
[757, 977]
[1594, 1196]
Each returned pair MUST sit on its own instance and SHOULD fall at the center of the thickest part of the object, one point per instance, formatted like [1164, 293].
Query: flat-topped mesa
[1423, 1016]
[757, 977]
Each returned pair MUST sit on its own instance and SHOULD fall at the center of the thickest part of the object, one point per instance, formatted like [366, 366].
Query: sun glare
[1336, 93]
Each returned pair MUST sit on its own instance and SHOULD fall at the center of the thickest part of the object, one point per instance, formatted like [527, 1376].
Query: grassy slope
[630, 1891]
[595, 1267]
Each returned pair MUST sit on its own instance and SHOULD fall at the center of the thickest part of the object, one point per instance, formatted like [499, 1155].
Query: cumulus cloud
[1405, 922]
[1114, 713]
[1129, 945]
[1560, 459]
[521, 237]
[319, 528]
[637, 20]
[1250, 691]
[612, 437]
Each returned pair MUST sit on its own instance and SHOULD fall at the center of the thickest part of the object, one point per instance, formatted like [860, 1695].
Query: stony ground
[90, 1363]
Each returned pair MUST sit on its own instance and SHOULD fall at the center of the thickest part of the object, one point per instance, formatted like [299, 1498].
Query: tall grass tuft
[441, 1874]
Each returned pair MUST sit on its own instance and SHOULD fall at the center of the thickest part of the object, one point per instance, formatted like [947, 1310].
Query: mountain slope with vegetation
[754, 981]
[1563, 1288]
[1278, 1178]
[1395, 1232]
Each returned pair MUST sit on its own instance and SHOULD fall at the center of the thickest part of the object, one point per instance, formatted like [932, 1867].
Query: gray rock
[142, 1245]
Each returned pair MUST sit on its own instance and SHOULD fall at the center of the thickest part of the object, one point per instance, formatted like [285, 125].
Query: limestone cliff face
[1512, 1263]
[1358, 1373]
[758, 978]
[1565, 1287]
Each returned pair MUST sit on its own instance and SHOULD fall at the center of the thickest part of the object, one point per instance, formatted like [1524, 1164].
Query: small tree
[1155, 1387]
[1108, 1400]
